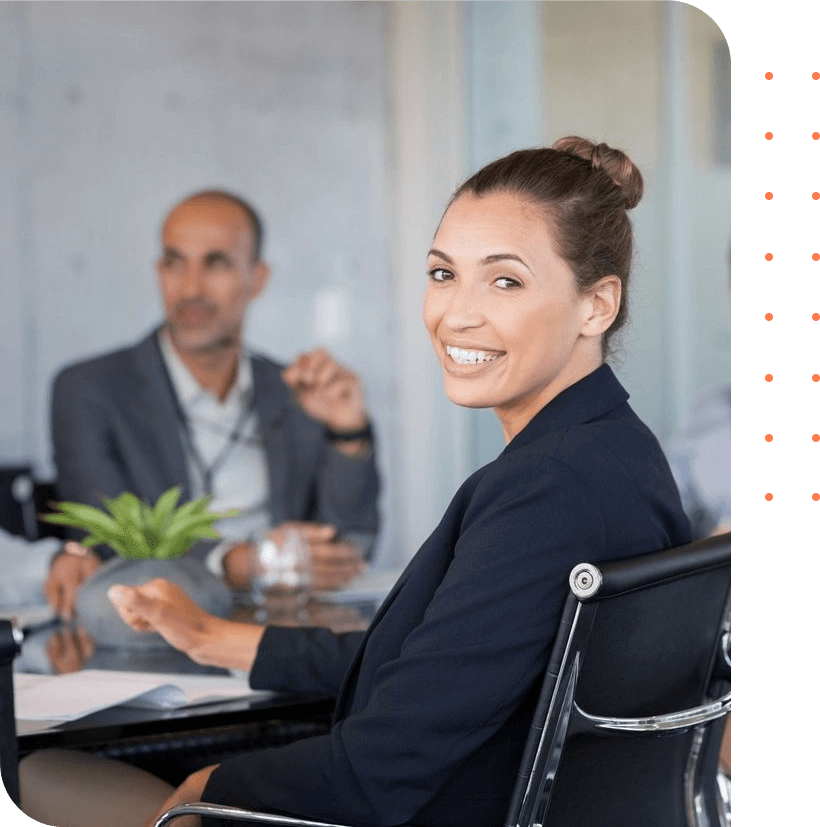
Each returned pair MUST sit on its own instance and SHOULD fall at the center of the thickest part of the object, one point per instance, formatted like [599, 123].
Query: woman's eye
[440, 274]
[507, 283]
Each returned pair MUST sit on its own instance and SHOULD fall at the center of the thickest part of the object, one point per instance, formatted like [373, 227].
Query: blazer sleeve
[303, 660]
[347, 496]
[461, 673]
[84, 451]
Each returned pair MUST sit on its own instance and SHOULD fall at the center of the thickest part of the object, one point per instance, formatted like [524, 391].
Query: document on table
[372, 585]
[71, 696]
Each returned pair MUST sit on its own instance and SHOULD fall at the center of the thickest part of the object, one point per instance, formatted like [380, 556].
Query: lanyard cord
[206, 471]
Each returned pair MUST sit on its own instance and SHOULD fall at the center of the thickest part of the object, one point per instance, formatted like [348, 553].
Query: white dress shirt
[239, 477]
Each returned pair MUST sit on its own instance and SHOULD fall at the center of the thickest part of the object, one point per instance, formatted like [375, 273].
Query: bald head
[222, 198]
[209, 271]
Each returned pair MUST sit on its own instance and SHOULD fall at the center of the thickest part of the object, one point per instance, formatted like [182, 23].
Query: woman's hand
[163, 607]
[189, 792]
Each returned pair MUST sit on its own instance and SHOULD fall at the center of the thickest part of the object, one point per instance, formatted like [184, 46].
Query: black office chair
[10, 639]
[634, 702]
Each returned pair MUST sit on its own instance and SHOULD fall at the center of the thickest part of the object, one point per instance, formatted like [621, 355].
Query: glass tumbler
[281, 576]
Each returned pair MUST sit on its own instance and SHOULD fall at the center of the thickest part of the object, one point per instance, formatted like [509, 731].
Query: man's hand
[163, 607]
[327, 391]
[189, 792]
[69, 649]
[334, 563]
[69, 570]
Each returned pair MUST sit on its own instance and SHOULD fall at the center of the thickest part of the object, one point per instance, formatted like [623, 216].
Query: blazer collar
[589, 398]
[155, 408]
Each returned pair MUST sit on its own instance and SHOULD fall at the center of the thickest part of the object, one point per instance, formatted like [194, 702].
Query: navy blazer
[115, 427]
[435, 698]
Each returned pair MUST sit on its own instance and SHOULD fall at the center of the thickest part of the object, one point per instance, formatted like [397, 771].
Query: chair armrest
[668, 723]
[237, 814]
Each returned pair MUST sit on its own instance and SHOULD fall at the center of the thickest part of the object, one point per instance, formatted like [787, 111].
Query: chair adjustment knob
[584, 580]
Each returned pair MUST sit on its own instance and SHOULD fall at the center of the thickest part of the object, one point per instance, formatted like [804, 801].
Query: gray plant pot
[100, 619]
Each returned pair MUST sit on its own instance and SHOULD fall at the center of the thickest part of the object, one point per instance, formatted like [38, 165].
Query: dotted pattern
[797, 324]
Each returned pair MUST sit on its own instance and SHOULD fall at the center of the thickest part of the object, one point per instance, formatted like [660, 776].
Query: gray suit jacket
[115, 428]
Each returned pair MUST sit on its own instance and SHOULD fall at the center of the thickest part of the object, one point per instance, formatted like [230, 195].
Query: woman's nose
[464, 309]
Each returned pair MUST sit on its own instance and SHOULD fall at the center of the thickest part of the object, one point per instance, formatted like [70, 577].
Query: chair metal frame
[565, 717]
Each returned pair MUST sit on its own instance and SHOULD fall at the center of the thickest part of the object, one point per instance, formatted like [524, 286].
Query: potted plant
[150, 542]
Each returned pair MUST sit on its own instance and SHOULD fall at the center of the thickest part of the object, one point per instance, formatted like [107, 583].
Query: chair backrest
[641, 640]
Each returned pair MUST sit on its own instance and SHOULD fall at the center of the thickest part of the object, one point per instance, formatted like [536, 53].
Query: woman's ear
[603, 301]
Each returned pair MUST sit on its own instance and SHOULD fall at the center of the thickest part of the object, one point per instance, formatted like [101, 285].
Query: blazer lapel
[158, 417]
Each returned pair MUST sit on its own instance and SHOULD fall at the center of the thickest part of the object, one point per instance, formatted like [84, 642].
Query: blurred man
[292, 448]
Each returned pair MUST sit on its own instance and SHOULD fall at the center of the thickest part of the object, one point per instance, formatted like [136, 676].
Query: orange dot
[816, 136]
[769, 437]
[769, 497]
[769, 196]
[815, 256]
[815, 75]
[769, 317]
[769, 256]
[769, 75]
[816, 377]
[769, 377]
[815, 497]
[815, 195]
[815, 437]
[769, 136]
[816, 317]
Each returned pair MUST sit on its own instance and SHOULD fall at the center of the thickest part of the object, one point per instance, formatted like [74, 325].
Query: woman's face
[506, 320]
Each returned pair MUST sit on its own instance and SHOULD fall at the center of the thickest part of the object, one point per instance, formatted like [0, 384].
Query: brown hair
[585, 190]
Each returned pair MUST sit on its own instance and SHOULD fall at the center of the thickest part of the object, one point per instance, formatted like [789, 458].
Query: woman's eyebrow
[505, 257]
[491, 259]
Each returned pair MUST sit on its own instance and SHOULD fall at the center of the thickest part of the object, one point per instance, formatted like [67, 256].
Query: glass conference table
[173, 743]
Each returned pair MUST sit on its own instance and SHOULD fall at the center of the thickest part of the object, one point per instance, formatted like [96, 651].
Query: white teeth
[470, 357]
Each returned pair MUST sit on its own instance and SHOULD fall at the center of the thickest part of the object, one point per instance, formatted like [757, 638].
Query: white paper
[71, 696]
[372, 585]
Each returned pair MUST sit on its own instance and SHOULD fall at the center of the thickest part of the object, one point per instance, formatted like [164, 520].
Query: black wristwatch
[350, 436]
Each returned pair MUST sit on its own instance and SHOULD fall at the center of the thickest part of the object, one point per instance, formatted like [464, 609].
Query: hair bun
[612, 162]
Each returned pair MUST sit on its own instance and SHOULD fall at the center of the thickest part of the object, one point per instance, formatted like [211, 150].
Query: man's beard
[221, 340]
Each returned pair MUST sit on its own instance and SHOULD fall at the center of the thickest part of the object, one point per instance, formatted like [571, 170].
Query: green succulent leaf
[164, 509]
[136, 531]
